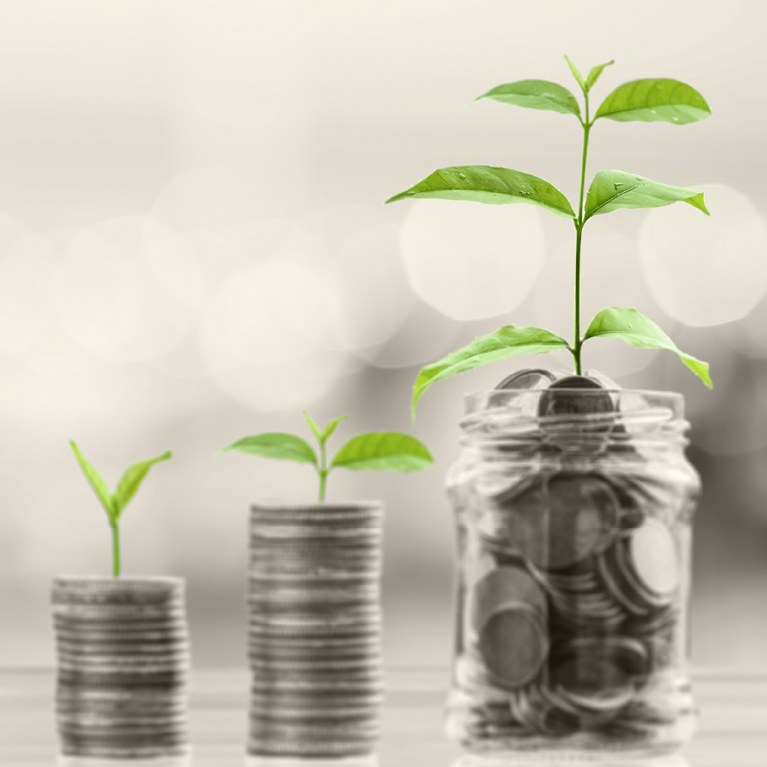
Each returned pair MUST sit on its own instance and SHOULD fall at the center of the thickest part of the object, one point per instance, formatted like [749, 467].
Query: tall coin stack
[123, 660]
[315, 629]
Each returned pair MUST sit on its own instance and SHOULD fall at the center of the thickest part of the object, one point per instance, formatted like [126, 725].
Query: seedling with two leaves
[381, 451]
[646, 100]
[114, 503]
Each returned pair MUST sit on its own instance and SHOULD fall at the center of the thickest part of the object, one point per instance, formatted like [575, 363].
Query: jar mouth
[510, 413]
[624, 400]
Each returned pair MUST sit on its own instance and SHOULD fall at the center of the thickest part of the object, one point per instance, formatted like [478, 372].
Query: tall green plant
[645, 100]
[114, 503]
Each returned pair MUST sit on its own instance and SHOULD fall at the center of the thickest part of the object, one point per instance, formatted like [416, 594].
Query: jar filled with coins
[573, 500]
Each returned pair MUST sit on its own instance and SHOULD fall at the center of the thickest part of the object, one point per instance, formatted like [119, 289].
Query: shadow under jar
[573, 511]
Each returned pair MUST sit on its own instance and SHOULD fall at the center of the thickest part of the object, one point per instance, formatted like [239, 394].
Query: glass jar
[573, 510]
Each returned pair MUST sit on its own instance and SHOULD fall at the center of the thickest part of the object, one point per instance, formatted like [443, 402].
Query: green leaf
[505, 342]
[383, 451]
[596, 72]
[576, 74]
[132, 478]
[654, 100]
[331, 426]
[313, 426]
[96, 481]
[536, 94]
[613, 189]
[637, 330]
[482, 183]
[284, 447]
[323, 435]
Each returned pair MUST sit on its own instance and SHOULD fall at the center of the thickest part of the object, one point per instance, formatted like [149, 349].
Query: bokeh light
[267, 336]
[26, 287]
[191, 265]
[471, 261]
[424, 336]
[107, 300]
[375, 297]
[215, 198]
[747, 335]
[706, 271]
[356, 248]
[731, 418]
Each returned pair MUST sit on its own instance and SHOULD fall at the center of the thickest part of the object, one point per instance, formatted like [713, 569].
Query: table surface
[732, 732]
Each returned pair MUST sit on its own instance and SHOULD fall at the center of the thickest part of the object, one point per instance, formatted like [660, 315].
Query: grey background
[193, 247]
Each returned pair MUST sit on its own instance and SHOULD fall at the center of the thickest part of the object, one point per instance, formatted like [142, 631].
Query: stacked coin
[123, 660]
[315, 629]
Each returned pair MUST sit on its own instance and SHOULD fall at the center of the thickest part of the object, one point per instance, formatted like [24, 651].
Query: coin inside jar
[508, 613]
[513, 646]
[505, 588]
[592, 682]
[554, 521]
[654, 558]
[531, 378]
[582, 510]
[575, 395]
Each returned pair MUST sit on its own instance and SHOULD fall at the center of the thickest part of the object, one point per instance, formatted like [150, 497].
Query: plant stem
[323, 470]
[115, 549]
[579, 222]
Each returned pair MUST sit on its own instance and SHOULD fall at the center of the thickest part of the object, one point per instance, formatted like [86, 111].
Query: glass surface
[573, 512]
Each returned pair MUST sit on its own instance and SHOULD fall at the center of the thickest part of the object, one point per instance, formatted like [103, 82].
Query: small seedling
[382, 451]
[114, 503]
[645, 100]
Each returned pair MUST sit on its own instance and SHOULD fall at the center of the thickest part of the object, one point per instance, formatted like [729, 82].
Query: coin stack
[573, 576]
[315, 629]
[123, 659]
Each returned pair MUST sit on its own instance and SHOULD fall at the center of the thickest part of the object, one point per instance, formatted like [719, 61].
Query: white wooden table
[733, 725]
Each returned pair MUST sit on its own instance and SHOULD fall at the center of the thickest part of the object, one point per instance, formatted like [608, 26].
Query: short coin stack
[123, 660]
[315, 629]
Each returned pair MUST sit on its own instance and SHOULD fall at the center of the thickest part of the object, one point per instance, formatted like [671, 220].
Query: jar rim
[521, 413]
[650, 397]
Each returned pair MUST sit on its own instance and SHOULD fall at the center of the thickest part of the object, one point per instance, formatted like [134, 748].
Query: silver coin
[161, 680]
[111, 626]
[513, 645]
[361, 699]
[365, 624]
[123, 749]
[363, 646]
[653, 559]
[556, 522]
[261, 745]
[535, 378]
[575, 395]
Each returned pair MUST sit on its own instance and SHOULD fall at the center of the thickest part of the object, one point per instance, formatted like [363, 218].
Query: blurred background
[194, 247]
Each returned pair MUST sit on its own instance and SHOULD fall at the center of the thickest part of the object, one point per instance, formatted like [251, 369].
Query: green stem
[323, 471]
[577, 340]
[579, 223]
[116, 566]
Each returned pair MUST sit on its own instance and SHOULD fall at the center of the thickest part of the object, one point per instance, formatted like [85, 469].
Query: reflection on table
[590, 759]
